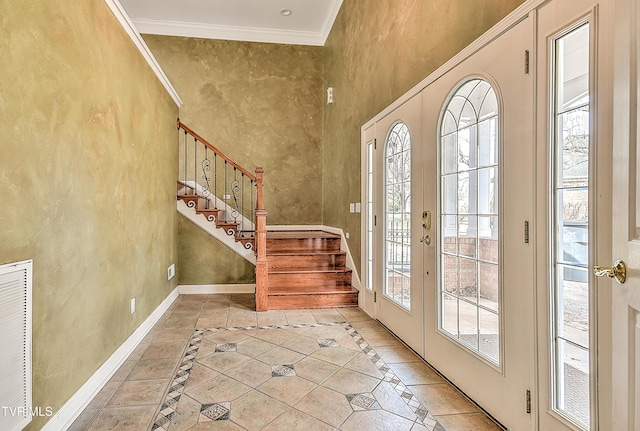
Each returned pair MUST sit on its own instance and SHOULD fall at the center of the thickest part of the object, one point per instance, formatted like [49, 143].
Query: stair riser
[303, 245]
[288, 302]
[311, 262]
[301, 282]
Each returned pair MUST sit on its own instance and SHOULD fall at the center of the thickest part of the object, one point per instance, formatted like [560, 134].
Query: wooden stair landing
[307, 270]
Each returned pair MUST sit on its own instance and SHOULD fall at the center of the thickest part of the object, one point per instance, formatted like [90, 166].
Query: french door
[574, 144]
[478, 128]
[398, 224]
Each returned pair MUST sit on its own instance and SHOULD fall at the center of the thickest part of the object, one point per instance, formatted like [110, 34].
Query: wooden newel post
[262, 265]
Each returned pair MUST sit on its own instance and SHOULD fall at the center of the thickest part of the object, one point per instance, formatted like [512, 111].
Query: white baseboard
[207, 289]
[70, 411]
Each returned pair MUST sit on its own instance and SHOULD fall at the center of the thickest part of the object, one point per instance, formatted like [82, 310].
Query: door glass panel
[469, 245]
[398, 215]
[570, 349]
[369, 219]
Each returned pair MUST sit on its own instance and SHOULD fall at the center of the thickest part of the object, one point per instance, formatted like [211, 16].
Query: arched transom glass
[469, 245]
[397, 286]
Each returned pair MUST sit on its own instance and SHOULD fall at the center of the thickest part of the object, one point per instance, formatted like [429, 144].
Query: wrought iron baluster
[242, 204]
[206, 167]
[186, 153]
[224, 196]
[215, 180]
[195, 167]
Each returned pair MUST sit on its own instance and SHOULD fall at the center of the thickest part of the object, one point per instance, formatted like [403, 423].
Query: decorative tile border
[213, 412]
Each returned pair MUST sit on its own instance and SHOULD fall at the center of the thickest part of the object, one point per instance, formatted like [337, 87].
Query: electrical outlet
[133, 305]
[346, 235]
[171, 271]
[226, 197]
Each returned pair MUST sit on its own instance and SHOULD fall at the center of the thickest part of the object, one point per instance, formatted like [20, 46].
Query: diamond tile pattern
[322, 373]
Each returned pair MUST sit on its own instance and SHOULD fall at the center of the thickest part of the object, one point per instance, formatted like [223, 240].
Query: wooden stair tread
[342, 270]
[306, 253]
[307, 234]
[319, 290]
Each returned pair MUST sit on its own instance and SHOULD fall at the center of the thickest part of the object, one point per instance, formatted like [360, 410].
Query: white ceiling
[249, 20]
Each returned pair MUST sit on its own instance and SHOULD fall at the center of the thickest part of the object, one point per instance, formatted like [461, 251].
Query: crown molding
[227, 32]
[246, 34]
[132, 32]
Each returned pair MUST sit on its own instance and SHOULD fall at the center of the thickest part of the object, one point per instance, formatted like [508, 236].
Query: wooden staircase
[218, 216]
[294, 269]
[307, 270]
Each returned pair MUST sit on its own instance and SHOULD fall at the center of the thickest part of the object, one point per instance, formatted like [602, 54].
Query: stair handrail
[260, 217]
[221, 154]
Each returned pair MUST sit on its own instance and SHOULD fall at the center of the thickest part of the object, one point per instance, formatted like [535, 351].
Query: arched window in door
[397, 284]
[469, 288]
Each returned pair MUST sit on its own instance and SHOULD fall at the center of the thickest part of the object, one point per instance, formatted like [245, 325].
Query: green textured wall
[202, 259]
[377, 51]
[88, 163]
[261, 104]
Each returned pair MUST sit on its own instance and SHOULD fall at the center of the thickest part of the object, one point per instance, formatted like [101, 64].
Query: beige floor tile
[376, 420]
[315, 370]
[223, 337]
[336, 355]
[389, 400]
[379, 338]
[103, 397]
[139, 351]
[354, 314]
[396, 354]
[293, 419]
[346, 340]
[216, 426]
[255, 410]
[147, 369]
[328, 315]
[280, 356]
[164, 350]
[252, 373]
[295, 316]
[180, 322]
[364, 325]
[221, 361]
[211, 322]
[350, 382]
[289, 390]
[254, 347]
[323, 332]
[124, 370]
[123, 418]
[443, 399]
[241, 320]
[326, 405]
[84, 421]
[415, 373]
[300, 344]
[163, 335]
[467, 422]
[363, 365]
[274, 336]
[272, 317]
[219, 389]
[206, 348]
[139, 393]
[186, 414]
[199, 374]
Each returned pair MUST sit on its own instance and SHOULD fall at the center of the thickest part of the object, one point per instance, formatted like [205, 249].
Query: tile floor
[212, 363]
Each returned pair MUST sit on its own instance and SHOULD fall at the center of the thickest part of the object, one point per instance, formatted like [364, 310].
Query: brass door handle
[617, 271]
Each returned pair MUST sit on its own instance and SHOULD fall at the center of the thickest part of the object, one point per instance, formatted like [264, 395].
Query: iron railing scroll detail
[227, 194]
